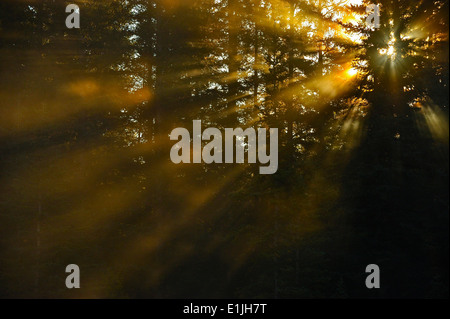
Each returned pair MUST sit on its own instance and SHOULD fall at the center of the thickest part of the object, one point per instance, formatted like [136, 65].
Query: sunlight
[351, 72]
[431, 120]
[390, 50]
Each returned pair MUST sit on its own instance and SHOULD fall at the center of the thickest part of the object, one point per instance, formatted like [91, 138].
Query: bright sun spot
[352, 72]
[390, 51]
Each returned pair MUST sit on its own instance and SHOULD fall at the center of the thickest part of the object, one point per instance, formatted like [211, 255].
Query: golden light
[352, 72]
[390, 51]
[353, 2]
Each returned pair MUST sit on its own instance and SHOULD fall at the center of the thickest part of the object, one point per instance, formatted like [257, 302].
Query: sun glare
[352, 72]
[389, 51]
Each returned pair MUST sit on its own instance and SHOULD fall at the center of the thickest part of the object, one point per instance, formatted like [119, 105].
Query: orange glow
[352, 72]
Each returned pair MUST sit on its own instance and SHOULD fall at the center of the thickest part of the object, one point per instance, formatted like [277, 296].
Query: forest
[363, 156]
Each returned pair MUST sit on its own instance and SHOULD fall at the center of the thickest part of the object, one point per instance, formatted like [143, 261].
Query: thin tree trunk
[255, 68]
[297, 266]
[38, 245]
[233, 67]
[275, 255]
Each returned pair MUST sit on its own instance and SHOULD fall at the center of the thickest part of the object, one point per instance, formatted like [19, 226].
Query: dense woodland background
[86, 176]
